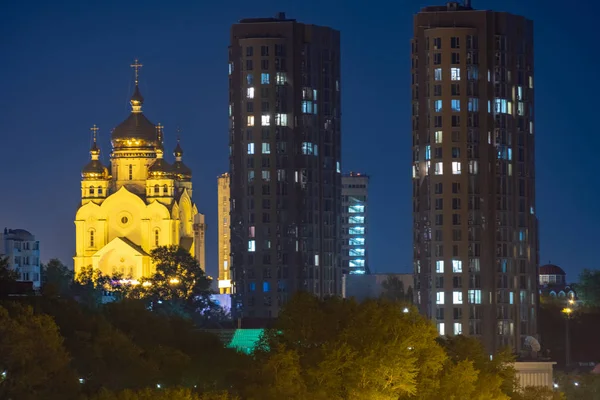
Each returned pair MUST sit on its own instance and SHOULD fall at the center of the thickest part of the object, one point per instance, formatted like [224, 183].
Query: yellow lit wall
[224, 234]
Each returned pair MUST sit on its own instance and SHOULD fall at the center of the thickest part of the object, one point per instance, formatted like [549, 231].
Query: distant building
[23, 253]
[285, 163]
[475, 229]
[355, 190]
[553, 282]
[370, 286]
[199, 240]
[139, 202]
[224, 234]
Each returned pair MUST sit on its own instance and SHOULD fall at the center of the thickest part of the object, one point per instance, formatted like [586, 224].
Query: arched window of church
[165, 189]
[156, 237]
[99, 190]
[130, 172]
[156, 189]
[92, 238]
[91, 190]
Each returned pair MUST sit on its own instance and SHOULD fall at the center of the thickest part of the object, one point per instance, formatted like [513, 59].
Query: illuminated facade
[355, 254]
[475, 226]
[285, 163]
[23, 254]
[224, 234]
[200, 240]
[138, 203]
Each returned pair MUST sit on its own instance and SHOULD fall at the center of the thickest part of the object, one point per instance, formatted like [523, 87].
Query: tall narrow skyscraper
[285, 161]
[475, 227]
[355, 252]
[224, 234]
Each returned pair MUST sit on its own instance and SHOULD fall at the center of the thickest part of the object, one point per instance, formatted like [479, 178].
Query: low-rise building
[23, 253]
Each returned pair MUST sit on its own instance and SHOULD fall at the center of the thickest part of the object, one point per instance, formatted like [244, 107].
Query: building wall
[200, 240]
[224, 234]
[355, 218]
[475, 228]
[285, 163]
[23, 253]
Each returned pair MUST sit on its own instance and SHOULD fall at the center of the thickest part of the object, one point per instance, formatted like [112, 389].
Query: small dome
[182, 171]
[178, 152]
[94, 170]
[19, 234]
[551, 269]
[160, 167]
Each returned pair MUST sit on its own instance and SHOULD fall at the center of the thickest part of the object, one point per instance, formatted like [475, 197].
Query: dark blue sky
[65, 66]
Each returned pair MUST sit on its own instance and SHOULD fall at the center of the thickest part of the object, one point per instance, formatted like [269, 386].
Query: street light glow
[174, 280]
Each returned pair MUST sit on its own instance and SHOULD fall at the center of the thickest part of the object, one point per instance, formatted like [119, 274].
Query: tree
[538, 393]
[57, 278]
[178, 285]
[7, 274]
[161, 394]
[33, 362]
[393, 289]
[588, 288]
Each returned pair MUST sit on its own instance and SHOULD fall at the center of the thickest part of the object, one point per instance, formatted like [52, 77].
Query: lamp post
[568, 310]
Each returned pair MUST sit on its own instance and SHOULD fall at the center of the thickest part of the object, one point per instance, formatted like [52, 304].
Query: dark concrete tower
[285, 162]
[475, 227]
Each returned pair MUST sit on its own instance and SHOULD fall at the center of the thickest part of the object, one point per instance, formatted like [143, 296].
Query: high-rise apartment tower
[475, 226]
[224, 234]
[355, 255]
[285, 161]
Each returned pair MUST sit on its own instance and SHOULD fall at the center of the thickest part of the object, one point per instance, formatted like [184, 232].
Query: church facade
[137, 203]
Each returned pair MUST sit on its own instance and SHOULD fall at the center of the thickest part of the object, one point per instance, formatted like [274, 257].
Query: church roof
[135, 127]
[94, 169]
[160, 166]
[182, 170]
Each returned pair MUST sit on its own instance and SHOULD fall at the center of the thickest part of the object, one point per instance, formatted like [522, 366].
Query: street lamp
[567, 311]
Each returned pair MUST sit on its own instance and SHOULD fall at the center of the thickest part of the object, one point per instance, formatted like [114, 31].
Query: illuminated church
[137, 203]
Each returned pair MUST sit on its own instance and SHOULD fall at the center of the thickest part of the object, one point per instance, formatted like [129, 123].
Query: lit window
[307, 107]
[281, 119]
[427, 152]
[250, 120]
[474, 296]
[356, 230]
[357, 252]
[439, 168]
[251, 245]
[265, 120]
[251, 176]
[455, 105]
[457, 297]
[458, 328]
[230, 68]
[439, 266]
[357, 263]
[357, 208]
[437, 74]
[356, 219]
[531, 82]
[338, 168]
[264, 78]
[511, 297]
[427, 167]
[266, 176]
[473, 104]
[266, 287]
[439, 298]
[438, 136]
[438, 105]
[316, 260]
[474, 167]
[455, 74]
[456, 168]
[280, 78]
[521, 108]
[250, 148]
[251, 231]
[266, 148]
[456, 266]
[250, 93]
[357, 241]
[441, 328]
[519, 92]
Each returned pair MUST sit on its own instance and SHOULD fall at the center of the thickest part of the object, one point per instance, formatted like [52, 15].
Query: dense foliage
[67, 345]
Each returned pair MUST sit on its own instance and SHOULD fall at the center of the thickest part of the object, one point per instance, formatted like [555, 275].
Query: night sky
[65, 66]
